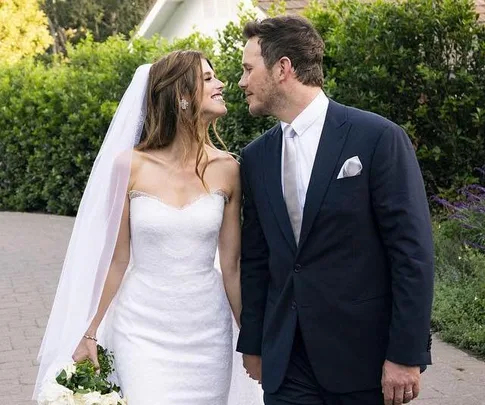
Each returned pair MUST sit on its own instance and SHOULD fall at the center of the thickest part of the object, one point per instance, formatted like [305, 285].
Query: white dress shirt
[308, 127]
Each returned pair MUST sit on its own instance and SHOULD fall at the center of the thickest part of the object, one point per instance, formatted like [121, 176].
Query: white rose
[56, 394]
[70, 369]
[92, 398]
[78, 399]
[113, 398]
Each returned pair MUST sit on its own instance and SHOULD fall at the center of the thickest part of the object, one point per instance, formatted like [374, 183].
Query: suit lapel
[272, 179]
[330, 147]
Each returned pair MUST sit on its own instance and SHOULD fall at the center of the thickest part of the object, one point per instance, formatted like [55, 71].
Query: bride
[139, 273]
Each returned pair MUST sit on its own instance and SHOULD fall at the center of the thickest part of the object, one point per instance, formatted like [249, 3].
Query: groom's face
[257, 81]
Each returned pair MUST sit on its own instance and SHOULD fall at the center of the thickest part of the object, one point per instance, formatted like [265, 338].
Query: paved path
[32, 248]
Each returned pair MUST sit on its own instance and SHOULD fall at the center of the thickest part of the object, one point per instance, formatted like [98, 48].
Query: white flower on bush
[92, 398]
[56, 394]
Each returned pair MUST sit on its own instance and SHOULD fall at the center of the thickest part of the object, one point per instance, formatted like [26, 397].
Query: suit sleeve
[254, 272]
[402, 212]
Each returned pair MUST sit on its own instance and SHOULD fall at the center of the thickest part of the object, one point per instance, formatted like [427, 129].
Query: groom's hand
[252, 364]
[400, 383]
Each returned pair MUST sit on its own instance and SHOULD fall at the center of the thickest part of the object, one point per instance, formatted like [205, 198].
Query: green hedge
[459, 302]
[53, 120]
[54, 116]
[420, 63]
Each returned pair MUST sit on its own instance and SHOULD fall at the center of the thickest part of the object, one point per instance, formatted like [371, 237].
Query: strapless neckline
[141, 194]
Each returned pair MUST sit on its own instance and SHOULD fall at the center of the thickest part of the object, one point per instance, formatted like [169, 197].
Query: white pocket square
[352, 167]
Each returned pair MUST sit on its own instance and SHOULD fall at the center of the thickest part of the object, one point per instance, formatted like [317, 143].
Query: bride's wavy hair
[177, 76]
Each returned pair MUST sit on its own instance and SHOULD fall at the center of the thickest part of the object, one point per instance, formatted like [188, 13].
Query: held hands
[87, 349]
[252, 364]
[400, 383]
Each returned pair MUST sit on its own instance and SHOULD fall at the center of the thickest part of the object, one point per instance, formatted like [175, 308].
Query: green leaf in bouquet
[62, 378]
[84, 382]
[105, 359]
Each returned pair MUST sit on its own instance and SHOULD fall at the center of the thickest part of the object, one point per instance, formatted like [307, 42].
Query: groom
[337, 252]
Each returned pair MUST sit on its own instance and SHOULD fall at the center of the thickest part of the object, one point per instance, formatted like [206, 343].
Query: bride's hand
[86, 349]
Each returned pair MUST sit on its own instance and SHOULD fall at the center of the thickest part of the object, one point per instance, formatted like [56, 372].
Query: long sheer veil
[94, 234]
[92, 245]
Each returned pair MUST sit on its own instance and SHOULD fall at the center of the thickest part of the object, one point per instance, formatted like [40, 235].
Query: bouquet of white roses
[80, 384]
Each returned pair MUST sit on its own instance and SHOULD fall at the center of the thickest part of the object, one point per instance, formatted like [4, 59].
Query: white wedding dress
[170, 326]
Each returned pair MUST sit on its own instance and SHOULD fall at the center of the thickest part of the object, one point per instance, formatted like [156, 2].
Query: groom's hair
[293, 37]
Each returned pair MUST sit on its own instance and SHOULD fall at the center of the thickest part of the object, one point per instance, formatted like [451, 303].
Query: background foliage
[23, 30]
[54, 117]
[73, 19]
[420, 63]
[459, 302]
[459, 306]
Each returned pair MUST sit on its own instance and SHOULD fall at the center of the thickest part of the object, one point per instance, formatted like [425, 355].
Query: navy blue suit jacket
[360, 281]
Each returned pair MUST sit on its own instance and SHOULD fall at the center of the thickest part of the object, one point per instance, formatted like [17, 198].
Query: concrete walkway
[32, 248]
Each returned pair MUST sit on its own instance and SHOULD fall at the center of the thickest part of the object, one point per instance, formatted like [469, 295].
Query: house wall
[205, 16]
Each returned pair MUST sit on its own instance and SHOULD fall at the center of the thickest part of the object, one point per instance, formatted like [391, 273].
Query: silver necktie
[290, 182]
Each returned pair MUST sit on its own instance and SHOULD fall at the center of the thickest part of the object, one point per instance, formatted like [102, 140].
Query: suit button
[293, 305]
[297, 268]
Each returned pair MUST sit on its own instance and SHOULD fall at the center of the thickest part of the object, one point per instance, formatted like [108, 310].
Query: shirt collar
[309, 115]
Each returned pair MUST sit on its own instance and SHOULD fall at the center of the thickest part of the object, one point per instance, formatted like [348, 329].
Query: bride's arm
[230, 241]
[87, 347]
[119, 263]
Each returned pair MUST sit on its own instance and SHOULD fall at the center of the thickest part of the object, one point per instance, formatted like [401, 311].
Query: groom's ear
[285, 68]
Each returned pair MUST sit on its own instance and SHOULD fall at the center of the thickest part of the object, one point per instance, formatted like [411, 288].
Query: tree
[71, 19]
[23, 30]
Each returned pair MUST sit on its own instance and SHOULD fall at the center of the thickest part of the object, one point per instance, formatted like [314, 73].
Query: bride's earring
[184, 104]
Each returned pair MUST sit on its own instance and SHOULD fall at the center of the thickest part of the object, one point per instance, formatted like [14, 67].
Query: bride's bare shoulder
[137, 161]
[222, 159]
[226, 168]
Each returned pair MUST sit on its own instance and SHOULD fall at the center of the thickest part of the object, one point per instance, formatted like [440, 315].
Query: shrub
[23, 30]
[458, 314]
[459, 301]
[420, 63]
[459, 306]
[467, 214]
[54, 116]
